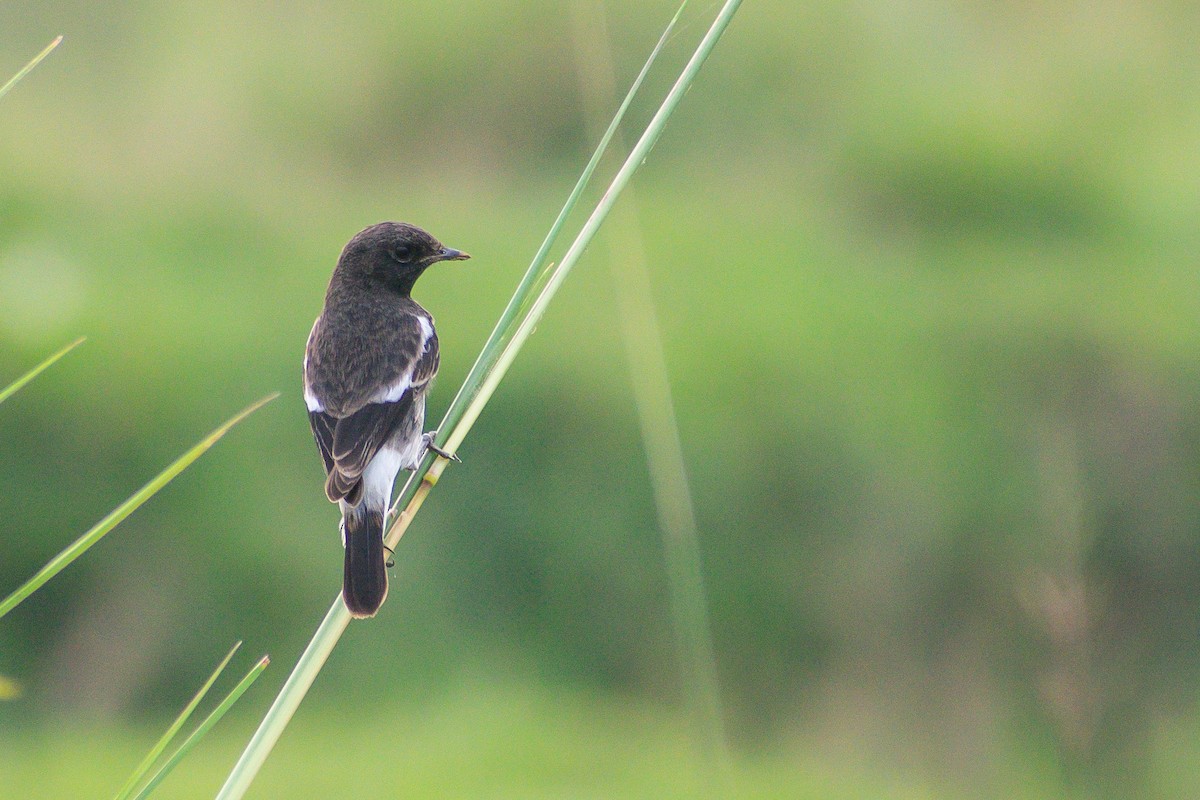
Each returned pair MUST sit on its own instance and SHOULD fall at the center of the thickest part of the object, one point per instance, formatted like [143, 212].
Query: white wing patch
[390, 394]
[393, 392]
[426, 331]
[310, 399]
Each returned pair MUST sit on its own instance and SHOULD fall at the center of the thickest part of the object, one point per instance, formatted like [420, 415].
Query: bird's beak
[450, 254]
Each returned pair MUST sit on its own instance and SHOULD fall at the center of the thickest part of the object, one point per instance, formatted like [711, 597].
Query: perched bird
[369, 360]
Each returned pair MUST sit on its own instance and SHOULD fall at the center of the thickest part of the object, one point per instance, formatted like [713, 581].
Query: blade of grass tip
[337, 619]
[25, 70]
[636, 156]
[12, 388]
[204, 727]
[504, 326]
[98, 531]
[430, 470]
[286, 702]
[666, 468]
[142, 769]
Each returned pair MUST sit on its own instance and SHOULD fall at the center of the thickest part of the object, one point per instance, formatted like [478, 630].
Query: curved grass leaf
[12, 388]
[97, 532]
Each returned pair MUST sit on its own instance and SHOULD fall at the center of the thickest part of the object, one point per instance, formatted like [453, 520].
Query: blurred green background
[926, 275]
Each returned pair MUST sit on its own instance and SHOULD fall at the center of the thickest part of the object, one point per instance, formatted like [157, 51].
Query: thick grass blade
[204, 727]
[25, 70]
[97, 532]
[143, 769]
[14, 387]
[511, 332]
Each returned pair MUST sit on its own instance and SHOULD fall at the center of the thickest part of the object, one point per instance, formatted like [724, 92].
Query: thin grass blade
[25, 70]
[287, 701]
[143, 769]
[15, 386]
[652, 395]
[533, 314]
[504, 326]
[98, 531]
[204, 727]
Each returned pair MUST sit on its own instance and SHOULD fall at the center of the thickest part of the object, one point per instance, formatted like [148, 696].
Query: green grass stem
[287, 701]
[490, 379]
[143, 769]
[506, 325]
[25, 70]
[98, 531]
[650, 384]
[15, 386]
[204, 727]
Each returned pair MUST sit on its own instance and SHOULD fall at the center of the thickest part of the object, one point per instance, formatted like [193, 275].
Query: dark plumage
[370, 358]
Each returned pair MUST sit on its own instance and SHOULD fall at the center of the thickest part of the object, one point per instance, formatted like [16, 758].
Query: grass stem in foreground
[205, 726]
[143, 769]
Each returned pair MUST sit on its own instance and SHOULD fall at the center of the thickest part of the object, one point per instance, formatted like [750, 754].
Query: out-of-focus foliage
[926, 275]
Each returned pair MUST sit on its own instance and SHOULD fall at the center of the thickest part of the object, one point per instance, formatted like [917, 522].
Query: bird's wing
[354, 440]
[322, 428]
[358, 437]
[427, 365]
[373, 356]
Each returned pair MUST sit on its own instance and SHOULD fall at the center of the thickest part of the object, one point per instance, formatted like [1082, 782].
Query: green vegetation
[16, 385]
[140, 773]
[926, 284]
[7, 86]
[98, 531]
[202, 729]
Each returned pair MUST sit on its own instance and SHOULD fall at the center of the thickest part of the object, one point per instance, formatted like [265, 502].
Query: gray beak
[450, 254]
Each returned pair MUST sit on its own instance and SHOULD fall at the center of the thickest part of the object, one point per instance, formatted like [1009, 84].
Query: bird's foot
[390, 561]
[446, 454]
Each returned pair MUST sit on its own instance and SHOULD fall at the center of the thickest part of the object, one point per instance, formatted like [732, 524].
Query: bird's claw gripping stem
[446, 454]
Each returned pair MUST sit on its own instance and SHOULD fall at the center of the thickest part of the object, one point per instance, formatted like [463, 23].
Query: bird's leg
[429, 445]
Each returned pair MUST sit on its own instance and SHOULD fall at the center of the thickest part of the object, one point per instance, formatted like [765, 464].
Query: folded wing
[350, 441]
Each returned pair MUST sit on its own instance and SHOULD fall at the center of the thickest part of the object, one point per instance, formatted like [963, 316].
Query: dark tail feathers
[364, 584]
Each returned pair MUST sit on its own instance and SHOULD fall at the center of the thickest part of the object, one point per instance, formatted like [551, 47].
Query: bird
[368, 364]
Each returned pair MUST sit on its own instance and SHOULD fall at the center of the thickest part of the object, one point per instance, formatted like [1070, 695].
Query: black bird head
[393, 254]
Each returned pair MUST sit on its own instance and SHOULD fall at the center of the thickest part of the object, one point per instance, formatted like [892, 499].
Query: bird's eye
[403, 253]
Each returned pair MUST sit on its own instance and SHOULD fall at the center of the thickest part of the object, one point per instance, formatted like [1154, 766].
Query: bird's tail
[364, 584]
